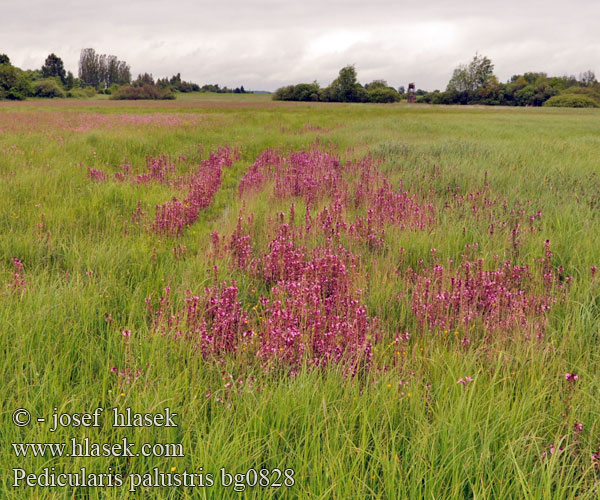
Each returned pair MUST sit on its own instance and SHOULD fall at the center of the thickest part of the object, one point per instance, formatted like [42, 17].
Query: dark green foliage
[476, 84]
[176, 84]
[47, 88]
[54, 67]
[299, 92]
[572, 101]
[345, 88]
[14, 84]
[144, 79]
[145, 91]
[4, 59]
[382, 94]
[69, 81]
[214, 87]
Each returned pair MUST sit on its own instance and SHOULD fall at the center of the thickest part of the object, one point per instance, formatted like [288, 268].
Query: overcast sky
[265, 44]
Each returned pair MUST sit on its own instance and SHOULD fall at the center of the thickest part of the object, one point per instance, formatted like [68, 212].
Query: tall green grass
[368, 437]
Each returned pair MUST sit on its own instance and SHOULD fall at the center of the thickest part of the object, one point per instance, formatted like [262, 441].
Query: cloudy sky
[264, 44]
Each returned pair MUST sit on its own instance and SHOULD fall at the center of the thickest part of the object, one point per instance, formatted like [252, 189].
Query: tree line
[472, 83]
[475, 83]
[345, 88]
[97, 74]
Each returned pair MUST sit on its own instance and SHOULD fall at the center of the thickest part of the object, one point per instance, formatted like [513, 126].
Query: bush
[127, 92]
[79, 93]
[47, 88]
[572, 101]
[585, 91]
[13, 83]
[12, 94]
[299, 92]
[382, 94]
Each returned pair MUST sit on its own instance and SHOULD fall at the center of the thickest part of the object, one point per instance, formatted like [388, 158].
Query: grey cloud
[268, 43]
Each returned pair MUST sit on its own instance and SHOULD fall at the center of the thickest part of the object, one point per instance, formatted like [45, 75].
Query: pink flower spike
[464, 381]
[572, 377]
[126, 333]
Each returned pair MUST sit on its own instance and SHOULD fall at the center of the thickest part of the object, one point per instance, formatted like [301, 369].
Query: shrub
[13, 83]
[142, 92]
[299, 92]
[584, 91]
[79, 93]
[571, 101]
[382, 94]
[47, 88]
[12, 94]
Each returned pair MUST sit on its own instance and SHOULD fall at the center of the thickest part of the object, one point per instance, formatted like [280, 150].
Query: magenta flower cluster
[497, 300]
[173, 216]
[356, 185]
[215, 322]
[17, 285]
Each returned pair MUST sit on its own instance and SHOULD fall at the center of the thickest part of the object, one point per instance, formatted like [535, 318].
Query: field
[383, 301]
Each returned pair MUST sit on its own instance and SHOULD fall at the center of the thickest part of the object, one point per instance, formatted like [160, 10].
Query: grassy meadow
[446, 256]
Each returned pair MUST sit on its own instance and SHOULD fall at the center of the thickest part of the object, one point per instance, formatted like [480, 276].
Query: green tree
[143, 79]
[587, 78]
[345, 87]
[69, 81]
[14, 84]
[53, 66]
[4, 59]
[476, 75]
[376, 84]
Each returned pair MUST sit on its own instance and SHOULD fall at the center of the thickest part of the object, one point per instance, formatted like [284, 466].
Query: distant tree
[345, 87]
[4, 59]
[475, 75]
[211, 88]
[535, 78]
[588, 78]
[14, 83]
[401, 90]
[101, 70]
[143, 79]
[69, 81]
[89, 67]
[123, 73]
[376, 84]
[53, 66]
